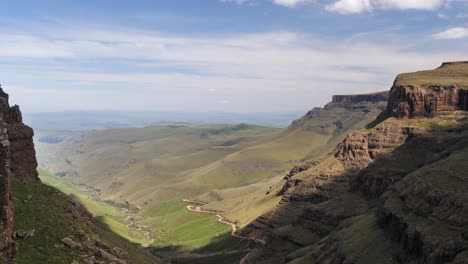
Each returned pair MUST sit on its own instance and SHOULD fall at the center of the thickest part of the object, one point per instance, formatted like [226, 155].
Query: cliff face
[357, 98]
[359, 149]
[23, 154]
[424, 94]
[17, 158]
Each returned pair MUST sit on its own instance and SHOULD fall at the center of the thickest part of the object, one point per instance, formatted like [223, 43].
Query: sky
[218, 55]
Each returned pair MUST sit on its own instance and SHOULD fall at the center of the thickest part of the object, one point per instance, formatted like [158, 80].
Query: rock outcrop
[17, 158]
[23, 154]
[424, 94]
[360, 148]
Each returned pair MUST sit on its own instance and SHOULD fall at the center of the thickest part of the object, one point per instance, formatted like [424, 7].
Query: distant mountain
[83, 120]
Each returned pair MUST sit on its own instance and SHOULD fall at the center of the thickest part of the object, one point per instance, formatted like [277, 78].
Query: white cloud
[290, 3]
[350, 6]
[462, 15]
[452, 33]
[360, 6]
[409, 4]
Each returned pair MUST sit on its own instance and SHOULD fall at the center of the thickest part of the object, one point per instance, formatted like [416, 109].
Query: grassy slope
[181, 228]
[47, 211]
[171, 224]
[449, 74]
[145, 164]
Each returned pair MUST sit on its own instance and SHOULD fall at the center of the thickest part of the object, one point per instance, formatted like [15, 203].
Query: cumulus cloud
[452, 33]
[350, 6]
[359, 6]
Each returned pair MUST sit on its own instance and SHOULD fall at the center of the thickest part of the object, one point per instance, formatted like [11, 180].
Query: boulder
[71, 244]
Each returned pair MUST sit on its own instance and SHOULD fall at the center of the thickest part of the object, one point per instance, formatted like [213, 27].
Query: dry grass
[446, 75]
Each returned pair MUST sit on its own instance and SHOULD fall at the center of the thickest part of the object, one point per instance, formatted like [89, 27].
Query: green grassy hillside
[51, 214]
[141, 165]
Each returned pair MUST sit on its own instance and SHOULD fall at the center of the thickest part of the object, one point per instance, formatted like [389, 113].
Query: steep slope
[392, 193]
[63, 231]
[7, 247]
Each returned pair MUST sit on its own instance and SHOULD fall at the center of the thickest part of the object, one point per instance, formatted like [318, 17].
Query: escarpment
[17, 159]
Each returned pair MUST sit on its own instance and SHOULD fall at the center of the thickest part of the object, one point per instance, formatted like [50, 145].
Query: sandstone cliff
[426, 93]
[17, 159]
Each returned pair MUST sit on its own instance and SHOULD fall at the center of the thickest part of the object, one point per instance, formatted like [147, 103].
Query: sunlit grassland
[178, 227]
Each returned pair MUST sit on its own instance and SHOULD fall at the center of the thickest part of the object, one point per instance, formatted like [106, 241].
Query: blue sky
[218, 55]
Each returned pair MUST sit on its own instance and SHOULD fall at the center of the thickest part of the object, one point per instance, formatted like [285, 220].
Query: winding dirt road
[221, 219]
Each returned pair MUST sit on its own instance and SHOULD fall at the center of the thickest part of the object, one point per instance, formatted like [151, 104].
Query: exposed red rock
[360, 148]
[424, 94]
[425, 101]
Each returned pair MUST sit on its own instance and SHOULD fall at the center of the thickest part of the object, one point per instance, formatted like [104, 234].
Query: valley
[253, 194]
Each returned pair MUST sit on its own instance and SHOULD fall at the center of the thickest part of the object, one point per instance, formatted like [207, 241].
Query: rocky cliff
[23, 163]
[359, 149]
[17, 159]
[426, 93]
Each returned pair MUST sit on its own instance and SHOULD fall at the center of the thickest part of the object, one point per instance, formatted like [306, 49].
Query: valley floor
[171, 230]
